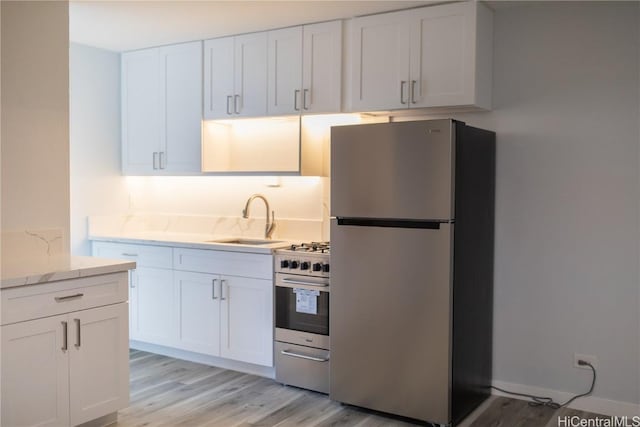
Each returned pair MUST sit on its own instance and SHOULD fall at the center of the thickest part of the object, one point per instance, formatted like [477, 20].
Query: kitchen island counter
[43, 269]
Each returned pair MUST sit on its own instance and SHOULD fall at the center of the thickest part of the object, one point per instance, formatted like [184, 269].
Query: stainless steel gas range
[302, 316]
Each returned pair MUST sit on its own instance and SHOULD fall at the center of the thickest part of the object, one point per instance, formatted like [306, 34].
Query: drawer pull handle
[77, 332]
[213, 289]
[126, 254]
[65, 337]
[68, 297]
[304, 356]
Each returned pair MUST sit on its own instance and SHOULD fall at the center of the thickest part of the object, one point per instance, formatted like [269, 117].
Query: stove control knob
[325, 268]
[304, 265]
[317, 266]
[294, 264]
[284, 263]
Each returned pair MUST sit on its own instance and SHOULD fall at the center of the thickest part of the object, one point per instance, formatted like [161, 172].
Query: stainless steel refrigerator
[412, 207]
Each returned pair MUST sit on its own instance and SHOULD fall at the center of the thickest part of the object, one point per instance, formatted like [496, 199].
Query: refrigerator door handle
[394, 223]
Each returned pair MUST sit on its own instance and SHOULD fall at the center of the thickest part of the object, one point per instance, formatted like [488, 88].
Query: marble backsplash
[214, 226]
[32, 243]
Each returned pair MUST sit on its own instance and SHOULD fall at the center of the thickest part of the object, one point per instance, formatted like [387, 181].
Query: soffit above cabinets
[125, 25]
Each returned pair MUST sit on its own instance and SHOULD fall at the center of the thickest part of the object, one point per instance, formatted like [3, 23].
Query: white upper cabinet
[285, 71]
[322, 67]
[140, 110]
[305, 69]
[235, 76]
[162, 110]
[181, 97]
[436, 56]
[380, 62]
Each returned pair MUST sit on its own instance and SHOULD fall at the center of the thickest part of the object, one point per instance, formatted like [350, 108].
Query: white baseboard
[588, 403]
[249, 368]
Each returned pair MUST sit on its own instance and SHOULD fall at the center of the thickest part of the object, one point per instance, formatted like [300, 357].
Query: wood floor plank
[170, 392]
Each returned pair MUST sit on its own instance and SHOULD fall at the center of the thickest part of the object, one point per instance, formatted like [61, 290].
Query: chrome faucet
[271, 221]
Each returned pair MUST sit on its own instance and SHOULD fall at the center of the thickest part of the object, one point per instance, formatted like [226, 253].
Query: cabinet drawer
[48, 299]
[221, 262]
[143, 255]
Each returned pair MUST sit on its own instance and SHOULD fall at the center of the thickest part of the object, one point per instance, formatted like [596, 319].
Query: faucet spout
[270, 221]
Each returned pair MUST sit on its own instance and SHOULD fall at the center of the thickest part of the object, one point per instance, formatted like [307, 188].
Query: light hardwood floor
[171, 392]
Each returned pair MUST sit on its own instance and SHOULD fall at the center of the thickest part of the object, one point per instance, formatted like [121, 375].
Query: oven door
[302, 304]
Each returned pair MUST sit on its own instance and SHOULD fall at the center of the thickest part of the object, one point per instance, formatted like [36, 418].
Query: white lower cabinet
[35, 373]
[155, 311]
[199, 307]
[212, 302]
[226, 316]
[98, 362]
[247, 320]
[66, 369]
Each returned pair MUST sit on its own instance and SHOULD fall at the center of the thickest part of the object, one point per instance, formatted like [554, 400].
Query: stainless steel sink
[239, 241]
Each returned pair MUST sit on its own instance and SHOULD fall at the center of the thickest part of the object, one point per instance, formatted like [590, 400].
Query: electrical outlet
[587, 358]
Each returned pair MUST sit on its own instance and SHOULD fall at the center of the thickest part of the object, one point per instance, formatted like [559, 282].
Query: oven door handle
[304, 356]
[302, 282]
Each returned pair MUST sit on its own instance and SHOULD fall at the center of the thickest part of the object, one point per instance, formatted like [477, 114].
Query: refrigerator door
[390, 319]
[398, 170]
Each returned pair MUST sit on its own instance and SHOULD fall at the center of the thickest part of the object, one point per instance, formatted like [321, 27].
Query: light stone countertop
[44, 269]
[193, 240]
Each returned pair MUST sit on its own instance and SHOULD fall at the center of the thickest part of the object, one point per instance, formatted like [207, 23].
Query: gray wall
[566, 108]
[97, 186]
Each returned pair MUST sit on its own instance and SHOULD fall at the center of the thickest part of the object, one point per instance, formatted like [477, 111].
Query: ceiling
[128, 25]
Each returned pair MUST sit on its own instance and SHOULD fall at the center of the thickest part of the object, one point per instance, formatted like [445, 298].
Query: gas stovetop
[319, 247]
[308, 259]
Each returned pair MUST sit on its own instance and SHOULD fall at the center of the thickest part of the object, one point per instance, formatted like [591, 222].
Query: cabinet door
[99, 362]
[133, 305]
[140, 111]
[199, 306]
[250, 96]
[380, 66]
[218, 78]
[322, 67]
[247, 320]
[181, 97]
[157, 319]
[35, 373]
[443, 55]
[285, 71]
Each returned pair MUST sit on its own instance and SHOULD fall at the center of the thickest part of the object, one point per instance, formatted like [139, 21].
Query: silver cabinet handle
[129, 254]
[413, 91]
[302, 282]
[213, 289]
[68, 297]
[402, 84]
[236, 98]
[132, 277]
[222, 283]
[229, 100]
[155, 160]
[65, 337]
[304, 356]
[295, 99]
[163, 160]
[304, 99]
[77, 332]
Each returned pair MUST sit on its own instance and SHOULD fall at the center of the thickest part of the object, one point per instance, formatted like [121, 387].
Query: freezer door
[393, 170]
[391, 319]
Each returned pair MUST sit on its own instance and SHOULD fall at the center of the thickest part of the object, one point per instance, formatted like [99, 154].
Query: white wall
[97, 187]
[566, 108]
[35, 112]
